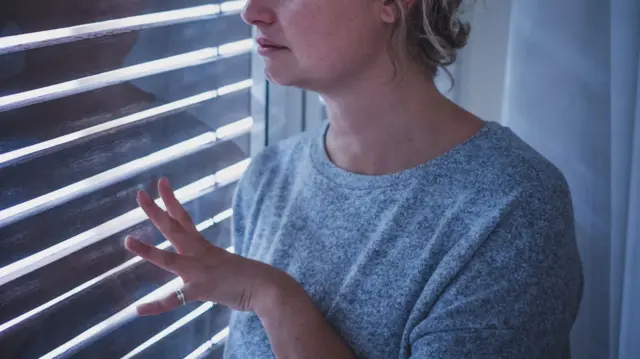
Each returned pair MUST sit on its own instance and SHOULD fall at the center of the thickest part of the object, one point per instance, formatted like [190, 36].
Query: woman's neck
[389, 126]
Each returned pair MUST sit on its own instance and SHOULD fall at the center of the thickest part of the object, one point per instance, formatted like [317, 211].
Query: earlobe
[390, 9]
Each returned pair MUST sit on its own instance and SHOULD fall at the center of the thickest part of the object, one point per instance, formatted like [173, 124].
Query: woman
[405, 228]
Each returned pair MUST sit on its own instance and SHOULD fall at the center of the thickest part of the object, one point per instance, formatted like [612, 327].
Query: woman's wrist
[278, 289]
[294, 326]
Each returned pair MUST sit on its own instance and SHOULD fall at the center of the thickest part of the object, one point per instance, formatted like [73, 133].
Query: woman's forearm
[296, 328]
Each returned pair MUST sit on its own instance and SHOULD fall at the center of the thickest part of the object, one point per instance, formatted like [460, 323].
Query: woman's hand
[209, 273]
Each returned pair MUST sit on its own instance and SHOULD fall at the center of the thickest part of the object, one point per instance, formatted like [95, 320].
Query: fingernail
[144, 309]
[131, 243]
[164, 181]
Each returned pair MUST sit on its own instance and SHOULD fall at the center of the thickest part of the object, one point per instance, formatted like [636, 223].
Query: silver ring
[180, 295]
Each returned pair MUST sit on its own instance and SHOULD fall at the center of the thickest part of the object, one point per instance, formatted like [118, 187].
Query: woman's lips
[267, 47]
[267, 50]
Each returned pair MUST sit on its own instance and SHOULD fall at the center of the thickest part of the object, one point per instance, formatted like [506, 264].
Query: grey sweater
[470, 255]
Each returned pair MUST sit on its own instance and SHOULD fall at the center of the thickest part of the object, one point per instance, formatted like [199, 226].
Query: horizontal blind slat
[46, 290]
[176, 345]
[82, 14]
[34, 124]
[113, 323]
[77, 137]
[72, 61]
[135, 164]
[114, 225]
[73, 87]
[92, 306]
[93, 319]
[59, 36]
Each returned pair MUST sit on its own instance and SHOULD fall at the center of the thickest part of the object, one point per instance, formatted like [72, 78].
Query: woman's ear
[390, 9]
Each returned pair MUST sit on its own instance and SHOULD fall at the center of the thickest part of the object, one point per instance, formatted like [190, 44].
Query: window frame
[279, 111]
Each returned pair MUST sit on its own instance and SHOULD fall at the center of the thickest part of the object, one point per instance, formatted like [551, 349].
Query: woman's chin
[282, 77]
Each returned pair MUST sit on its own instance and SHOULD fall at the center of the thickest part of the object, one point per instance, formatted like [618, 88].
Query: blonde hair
[430, 31]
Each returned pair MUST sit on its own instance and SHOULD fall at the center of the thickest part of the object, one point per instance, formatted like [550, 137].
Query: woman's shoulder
[499, 170]
[501, 158]
[537, 165]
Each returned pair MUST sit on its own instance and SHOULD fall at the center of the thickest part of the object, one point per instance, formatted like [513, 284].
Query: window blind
[98, 99]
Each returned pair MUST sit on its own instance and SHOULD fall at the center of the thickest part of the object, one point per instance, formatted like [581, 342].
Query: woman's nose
[258, 12]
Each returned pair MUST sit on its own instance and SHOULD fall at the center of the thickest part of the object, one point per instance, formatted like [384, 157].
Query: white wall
[481, 66]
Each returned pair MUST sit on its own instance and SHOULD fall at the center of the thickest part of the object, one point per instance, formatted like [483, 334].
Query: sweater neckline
[352, 180]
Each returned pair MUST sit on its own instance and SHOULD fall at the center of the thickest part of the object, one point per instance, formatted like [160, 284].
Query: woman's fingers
[174, 207]
[170, 302]
[172, 262]
[168, 226]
